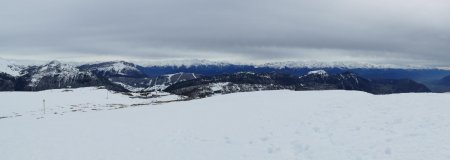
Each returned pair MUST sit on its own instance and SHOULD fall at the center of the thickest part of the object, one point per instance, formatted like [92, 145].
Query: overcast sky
[381, 31]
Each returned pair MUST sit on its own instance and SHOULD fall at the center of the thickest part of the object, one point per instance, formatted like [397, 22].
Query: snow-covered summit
[56, 67]
[318, 72]
[61, 71]
[187, 62]
[113, 68]
[10, 67]
[282, 64]
[119, 67]
[346, 65]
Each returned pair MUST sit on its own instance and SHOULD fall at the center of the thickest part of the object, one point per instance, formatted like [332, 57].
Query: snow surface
[183, 62]
[218, 86]
[118, 67]
[281, 64]
[319, 72]
[316, 125]
[64, 72]
[63, 101]
[9, 67]
[337, 64]
[167, 80]
[130, 88]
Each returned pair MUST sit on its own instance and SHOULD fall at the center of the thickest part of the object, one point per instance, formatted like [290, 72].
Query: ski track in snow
[316, 125]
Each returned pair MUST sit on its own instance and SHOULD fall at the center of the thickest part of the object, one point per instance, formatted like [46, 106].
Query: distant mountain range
[125, 76]
[314, 80]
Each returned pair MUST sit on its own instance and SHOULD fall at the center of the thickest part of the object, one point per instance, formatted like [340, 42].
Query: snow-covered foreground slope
[319, 125]
[62, 101]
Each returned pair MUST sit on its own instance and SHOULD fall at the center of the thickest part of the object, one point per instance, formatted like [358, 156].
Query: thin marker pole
[43, 104]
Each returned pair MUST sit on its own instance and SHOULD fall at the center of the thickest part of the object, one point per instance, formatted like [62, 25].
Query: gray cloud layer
[394, 31]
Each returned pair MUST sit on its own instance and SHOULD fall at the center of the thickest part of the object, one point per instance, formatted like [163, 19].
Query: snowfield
[316, 125]
[64, 101]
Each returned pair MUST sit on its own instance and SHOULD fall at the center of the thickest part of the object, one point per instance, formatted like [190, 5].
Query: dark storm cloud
[396, 31]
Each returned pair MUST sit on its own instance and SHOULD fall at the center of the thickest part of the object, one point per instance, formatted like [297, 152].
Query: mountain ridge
[130, 76]
[247, 81]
